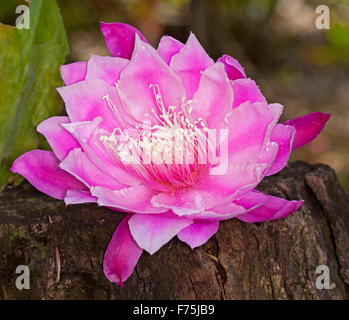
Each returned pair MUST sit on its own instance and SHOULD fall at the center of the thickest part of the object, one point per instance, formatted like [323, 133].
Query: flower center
[170, 154]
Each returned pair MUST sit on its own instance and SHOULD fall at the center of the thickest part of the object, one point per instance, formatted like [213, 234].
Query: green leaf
[29, 73]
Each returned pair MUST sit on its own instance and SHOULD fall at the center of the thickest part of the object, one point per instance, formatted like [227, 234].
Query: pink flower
[140, 137]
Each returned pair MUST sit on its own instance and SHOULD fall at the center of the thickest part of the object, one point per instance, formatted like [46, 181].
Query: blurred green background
[295, 64]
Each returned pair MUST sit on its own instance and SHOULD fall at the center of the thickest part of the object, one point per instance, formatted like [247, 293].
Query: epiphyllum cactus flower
[138, 102]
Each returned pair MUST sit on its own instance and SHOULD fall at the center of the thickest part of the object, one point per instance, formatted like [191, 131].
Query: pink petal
[238, 180]
[272, 209]
[268, 155]
[228, 209]
[168, 47]
[78, 197]
[251, 200]
[60, 140]
[217, 213]
[308, 127]
[188, 64]
[197, 204]
[181, 203]
[122, 254]
[120, 38]
[246, 90]
[231, 211]
[78, 165]
[283, 135]
[88, 134]
[85, 100]
[232, 67]
[136, 85]
[249, 127]
[270, 148]
[224, 211]
[214, 98]
[105, 68]
[151, 232]
[186, 202]
[73, 72]
[41, 169]
[132, 199]
[198, 233]
[276, 109]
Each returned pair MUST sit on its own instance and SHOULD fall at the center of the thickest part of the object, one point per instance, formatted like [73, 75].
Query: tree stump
[64, 248]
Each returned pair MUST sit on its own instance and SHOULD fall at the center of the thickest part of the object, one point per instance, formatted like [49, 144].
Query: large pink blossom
[142, 102]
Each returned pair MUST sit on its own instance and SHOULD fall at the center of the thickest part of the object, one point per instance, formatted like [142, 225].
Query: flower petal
[85, 100]
[214, 98]
[308, 127]
[41, 169]
[232, 209]
[122, 254]
[188, 64]
[283, 135]
[168, 47]
[242, 169]
[73, 72]
[120, 38]
[78, 197]
[151, 232]
[198, 233]
[121, 199]
[232, 67]
[88, 134]
[186, 202]
[252, 200]
[138, 82]
[59, 139]
[181, 203]
[220, 213]
[246, 90]
[78, 165]
[105, 68]
[238, 180]
[249, 129]
[272, 209]
[268, 155]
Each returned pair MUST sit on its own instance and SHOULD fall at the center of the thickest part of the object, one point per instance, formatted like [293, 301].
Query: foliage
[29, 73]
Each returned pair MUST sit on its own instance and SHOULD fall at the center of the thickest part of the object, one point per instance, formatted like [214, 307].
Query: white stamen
[157, 152]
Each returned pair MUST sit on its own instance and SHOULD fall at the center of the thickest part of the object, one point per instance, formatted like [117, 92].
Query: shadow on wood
[64, 247]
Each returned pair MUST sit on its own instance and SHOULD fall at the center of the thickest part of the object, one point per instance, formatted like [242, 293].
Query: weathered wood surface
[64, 247]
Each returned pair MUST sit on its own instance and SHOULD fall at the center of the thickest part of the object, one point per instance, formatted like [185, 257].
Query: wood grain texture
[64, 247]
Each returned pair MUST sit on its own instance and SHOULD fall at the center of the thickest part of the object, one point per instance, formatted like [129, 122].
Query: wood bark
[64, 247]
